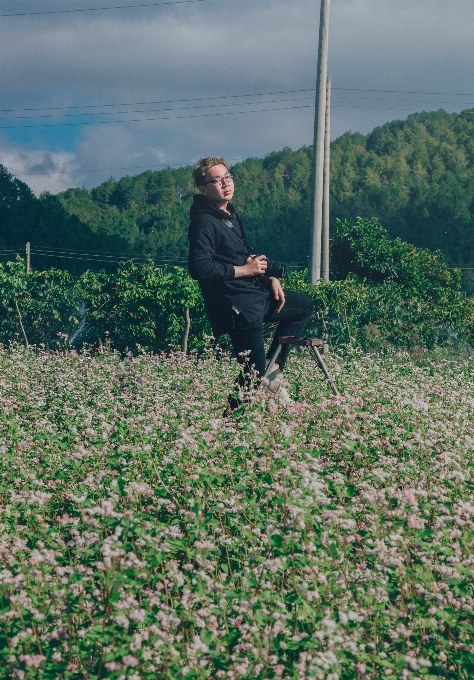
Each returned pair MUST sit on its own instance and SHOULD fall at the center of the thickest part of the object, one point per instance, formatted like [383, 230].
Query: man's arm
[253, 267]
[202, 265]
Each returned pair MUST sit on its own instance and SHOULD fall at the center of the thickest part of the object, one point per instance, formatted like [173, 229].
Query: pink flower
[72, 667]
[278, 669]
[129, 660]
[410, 496]
[415, 522]
[32, 659]
[113, 666]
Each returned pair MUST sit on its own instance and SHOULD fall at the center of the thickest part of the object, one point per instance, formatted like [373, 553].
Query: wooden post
[327, 152]
[28, 257]
[186, 330]
[314, 269]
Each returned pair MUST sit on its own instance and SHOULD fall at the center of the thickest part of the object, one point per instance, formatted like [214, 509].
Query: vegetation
[416, 176]
[387, 293]
[143, 536]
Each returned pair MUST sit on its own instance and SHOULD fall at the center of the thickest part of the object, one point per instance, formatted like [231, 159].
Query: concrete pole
[314, 269]
[28, 257]
[327, 152]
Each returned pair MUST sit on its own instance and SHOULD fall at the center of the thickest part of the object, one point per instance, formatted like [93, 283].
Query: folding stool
[314, 346]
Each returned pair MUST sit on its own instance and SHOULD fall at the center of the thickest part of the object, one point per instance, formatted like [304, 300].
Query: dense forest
[416, 176]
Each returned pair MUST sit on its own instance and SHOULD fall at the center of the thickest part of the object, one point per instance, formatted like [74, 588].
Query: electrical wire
[207, 106]
[410, 101]
[142, 120]
[449, 94]
[101, 9]
[180, 108]
[163, 101]
[237, 96]
[207, 115]
[391, 108]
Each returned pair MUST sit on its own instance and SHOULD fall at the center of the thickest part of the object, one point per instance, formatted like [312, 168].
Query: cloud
[217, 48]
[41, 170]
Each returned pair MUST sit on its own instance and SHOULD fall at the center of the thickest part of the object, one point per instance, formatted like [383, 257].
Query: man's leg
[293, 319]
[247, 337]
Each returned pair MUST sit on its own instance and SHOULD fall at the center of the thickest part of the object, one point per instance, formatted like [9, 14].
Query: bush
[387, 293]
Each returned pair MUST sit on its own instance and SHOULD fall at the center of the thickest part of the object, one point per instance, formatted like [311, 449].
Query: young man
[238, 295]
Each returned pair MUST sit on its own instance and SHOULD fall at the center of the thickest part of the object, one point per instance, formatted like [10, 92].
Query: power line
[389, 108]
[206, 106]
[414, 101]
[101, 9]
[451, 94]
[236, 96]
[207, 115]
[180, 108]
[163, 101]
[142, 120]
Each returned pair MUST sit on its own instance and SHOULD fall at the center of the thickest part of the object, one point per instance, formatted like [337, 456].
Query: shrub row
[387, 292]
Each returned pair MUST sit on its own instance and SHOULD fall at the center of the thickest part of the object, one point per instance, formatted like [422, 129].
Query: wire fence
[115, 258]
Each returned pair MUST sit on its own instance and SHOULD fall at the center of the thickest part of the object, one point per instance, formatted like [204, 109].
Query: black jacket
[217, 242]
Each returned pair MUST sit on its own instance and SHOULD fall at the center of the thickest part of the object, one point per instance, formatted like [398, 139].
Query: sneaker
[274, 384]
[273, 381]
[284, 397]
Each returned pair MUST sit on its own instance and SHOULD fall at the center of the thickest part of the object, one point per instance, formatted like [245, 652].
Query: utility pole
[327, 153]
[314, 269]
[28, 257]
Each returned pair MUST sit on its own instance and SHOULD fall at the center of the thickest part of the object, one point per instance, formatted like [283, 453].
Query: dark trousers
[248, 337]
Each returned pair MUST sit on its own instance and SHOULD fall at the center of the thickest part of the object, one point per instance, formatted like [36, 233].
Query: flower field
[142, 536]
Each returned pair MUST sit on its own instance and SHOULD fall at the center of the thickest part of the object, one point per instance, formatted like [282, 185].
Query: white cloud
[41, 170]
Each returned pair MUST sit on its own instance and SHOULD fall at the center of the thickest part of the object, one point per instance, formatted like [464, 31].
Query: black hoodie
[217, 243]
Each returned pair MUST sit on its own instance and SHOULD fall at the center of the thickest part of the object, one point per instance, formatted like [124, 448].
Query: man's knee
[306, 306]
[309, 306]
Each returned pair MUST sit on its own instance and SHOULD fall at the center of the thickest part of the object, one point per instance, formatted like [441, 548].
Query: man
[238, 295]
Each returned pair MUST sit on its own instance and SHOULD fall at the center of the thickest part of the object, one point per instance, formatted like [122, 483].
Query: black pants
[248, 337]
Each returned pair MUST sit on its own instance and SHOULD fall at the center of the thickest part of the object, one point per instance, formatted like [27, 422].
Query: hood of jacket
[201, 206]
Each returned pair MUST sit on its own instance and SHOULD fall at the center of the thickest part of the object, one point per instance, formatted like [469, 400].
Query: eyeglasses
[218, 180]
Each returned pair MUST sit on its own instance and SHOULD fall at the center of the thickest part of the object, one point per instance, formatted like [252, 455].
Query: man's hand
[277, 292]
[254, 266]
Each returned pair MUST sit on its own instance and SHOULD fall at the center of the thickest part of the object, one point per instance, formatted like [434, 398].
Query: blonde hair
[203, 165]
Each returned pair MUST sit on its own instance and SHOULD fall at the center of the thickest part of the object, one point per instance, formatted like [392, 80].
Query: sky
[87, 95]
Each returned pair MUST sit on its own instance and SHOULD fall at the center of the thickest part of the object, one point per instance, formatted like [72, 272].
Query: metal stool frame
[313, 345]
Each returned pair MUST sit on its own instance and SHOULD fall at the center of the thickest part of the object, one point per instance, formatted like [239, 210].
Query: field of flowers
[142, 536]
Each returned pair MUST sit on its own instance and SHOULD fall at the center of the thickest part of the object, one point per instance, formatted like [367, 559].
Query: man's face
[222, 191]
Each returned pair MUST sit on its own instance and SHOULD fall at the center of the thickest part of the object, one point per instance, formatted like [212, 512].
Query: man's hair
[203, 165]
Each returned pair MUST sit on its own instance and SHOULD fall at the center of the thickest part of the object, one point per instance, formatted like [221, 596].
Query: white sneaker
[284, 397]
[273, 380]
[274, 384]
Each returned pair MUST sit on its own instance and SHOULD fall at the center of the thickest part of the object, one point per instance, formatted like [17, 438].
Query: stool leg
[272, 361]
[319, 360]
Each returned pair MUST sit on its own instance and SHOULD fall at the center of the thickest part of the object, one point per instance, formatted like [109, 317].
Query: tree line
[415, 175]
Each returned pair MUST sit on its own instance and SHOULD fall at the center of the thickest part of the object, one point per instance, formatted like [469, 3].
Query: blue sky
[224, 49]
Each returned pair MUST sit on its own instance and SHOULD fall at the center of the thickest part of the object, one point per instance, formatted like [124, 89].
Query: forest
[415, 175]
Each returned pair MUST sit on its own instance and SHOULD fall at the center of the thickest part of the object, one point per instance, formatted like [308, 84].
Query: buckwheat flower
[415, 522]
[32, 659]
[129, 660]
[122, 621]
[113, 666]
